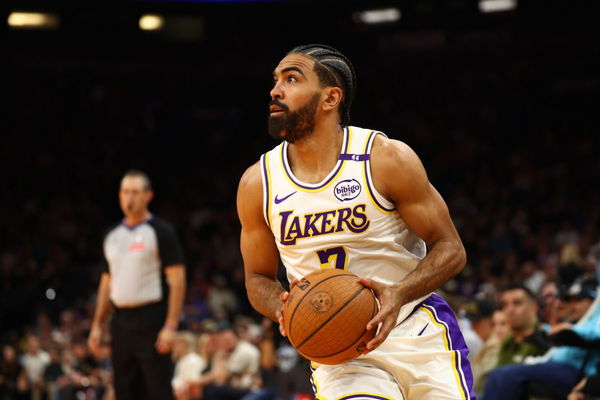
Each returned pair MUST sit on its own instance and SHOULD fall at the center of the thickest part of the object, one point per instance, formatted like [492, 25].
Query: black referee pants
[139, 371]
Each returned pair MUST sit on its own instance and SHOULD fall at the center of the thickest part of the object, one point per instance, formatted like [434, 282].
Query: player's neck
[313, 157]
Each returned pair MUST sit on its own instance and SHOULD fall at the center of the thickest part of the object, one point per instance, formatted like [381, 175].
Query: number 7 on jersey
[333, 257]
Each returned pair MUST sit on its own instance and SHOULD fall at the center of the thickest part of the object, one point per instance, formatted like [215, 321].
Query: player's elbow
[459, 258]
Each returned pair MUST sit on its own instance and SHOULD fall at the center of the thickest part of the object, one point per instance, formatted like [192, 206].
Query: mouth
[276, 111]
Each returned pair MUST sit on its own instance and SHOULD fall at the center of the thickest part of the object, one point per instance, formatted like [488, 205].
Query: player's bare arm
[259, 251]
[399, 175]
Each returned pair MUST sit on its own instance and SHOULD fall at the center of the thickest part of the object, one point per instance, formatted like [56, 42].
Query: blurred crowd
[505, 126]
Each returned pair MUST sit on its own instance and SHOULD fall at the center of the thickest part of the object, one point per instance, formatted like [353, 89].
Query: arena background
[501, 107]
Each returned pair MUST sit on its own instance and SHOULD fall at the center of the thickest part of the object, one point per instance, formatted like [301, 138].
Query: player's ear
[333, 98]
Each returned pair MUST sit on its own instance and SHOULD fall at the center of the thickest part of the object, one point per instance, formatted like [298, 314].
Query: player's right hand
[284, 296]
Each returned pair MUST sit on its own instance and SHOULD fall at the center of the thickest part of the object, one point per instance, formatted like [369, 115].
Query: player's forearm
[265, 295]
[176, 297]
[444, 260]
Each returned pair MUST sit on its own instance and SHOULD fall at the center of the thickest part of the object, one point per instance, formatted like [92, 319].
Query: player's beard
[294, 125]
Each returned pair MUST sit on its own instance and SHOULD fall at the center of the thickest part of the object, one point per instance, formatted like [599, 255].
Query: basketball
[326, 315]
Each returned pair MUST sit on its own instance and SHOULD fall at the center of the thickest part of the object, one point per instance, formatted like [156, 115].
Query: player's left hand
[165, 339]
[389, 306]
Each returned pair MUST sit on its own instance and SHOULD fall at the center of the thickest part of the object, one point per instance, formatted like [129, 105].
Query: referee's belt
[132, 306]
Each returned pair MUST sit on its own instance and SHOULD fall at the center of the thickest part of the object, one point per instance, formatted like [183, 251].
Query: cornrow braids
[333, 69]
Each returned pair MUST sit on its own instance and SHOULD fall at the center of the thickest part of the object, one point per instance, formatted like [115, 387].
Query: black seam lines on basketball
[331, 317]
[306, 294]
[350, 345]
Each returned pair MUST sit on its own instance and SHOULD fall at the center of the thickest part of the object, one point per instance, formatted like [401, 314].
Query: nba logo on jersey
[347, 190]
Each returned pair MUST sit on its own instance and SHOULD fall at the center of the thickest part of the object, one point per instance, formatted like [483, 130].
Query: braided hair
[333, 69]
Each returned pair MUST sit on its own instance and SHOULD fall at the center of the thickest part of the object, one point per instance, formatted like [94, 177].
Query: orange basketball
[326, 315]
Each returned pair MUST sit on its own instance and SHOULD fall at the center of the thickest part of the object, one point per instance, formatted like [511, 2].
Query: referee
[144, 284]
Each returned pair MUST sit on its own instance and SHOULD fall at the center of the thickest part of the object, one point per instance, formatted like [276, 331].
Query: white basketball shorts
[423, 358]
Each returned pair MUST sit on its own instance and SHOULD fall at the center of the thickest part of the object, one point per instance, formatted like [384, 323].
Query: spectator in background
[13, 380]
[86, 363]
[69, 328]
[243, 362]
[579, 298]
[570, 263]
[72, 378]
[576, 355]
[188, 366]
[478, 325]
[34, 361]
[520, 307]
[551, 310]
[145, 284]
[241, 375]
[212, 348]
[105, 370]
[487, 358]
[533, 276]
[52, 373]
[267, 345]
[220, 299]
[44, 331]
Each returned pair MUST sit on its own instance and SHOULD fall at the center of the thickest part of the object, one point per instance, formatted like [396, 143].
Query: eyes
[291, 78]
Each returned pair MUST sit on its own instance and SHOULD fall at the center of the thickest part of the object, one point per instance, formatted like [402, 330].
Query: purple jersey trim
[332, 175]
[368, 173]
[444, 315]
[355, 157]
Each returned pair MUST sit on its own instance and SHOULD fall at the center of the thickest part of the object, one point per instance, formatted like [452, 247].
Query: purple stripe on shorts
[364, 396]
[445, 315]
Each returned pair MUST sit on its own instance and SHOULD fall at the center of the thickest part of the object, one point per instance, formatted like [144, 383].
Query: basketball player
[338, 196]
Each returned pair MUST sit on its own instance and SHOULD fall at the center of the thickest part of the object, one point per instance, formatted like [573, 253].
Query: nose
[277, 92]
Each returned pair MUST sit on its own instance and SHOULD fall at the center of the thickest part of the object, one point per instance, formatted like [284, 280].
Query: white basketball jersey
[340, 222]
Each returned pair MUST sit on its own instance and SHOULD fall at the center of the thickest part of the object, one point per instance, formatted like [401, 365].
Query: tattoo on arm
[264, 294]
